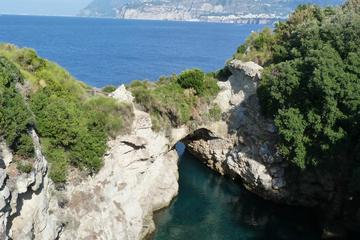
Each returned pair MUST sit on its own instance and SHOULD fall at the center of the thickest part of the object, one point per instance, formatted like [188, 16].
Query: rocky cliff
[233, 11]
[139, 176]
[140, 172]
[247, 150]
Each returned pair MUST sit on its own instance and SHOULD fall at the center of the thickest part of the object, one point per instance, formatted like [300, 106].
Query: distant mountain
[243, 11]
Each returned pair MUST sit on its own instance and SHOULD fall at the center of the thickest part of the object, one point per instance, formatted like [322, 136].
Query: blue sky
[42, 7]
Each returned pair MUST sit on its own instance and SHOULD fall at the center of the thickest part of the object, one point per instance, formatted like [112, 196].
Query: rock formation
[140, 172]
[139, 176]
[26, 199]
[248, 152]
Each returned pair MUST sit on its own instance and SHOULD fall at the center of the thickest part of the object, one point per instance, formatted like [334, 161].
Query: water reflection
[212, 207]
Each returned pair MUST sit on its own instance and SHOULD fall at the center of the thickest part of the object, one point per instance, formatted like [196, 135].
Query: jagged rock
[139, 177]
[5, 154]
[278, 183]
[122, 94]
[249, 69]
[4, 196]
[2, 176]
[251, 154]
[25, 199]
[254, 174]
[224, 96]
[140, 172]
[244, 152]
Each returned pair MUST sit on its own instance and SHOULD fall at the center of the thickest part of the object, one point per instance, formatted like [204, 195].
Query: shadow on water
[213, 207]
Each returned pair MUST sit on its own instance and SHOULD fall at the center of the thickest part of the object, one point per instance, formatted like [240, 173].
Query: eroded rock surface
[139, 176]
[248, 151]
[140, 172]
[26, 199]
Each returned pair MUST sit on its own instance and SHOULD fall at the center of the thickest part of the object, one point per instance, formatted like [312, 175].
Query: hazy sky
[42, 7]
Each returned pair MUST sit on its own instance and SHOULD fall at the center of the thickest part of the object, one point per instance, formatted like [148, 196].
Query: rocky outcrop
[248, 152]
[139, 176]
[26, 199]
[140, 172]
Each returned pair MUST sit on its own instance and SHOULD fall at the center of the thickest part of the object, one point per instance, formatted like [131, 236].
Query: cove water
[107, 51]
[212, 207]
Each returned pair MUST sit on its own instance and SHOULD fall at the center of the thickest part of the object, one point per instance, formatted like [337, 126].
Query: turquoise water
[212, 207]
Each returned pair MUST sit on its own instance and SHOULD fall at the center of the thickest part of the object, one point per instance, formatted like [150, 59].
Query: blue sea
[107, 51]
[111, 51]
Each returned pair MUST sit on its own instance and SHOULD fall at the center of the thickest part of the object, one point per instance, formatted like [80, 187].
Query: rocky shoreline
[140, 172]
[247, 151]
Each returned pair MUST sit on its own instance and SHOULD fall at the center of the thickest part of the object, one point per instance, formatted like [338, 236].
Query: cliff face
[233, 11]
[26, 200]
[140, 172]
[139, 176]
[247, 151]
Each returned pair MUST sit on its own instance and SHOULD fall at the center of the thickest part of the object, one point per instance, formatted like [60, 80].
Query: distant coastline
[244, 20]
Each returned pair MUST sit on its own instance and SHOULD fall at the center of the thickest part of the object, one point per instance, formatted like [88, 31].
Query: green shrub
[223, 74]
[215, 113]
[109, 89]
[108, 114]
[311, 87]
[15, 118]
[28, 59]
[171, 104]
[73, 125]
[257, 47]
[193, 78]
[25, 147]
[58, 161]
[211, 88]
[23, 166]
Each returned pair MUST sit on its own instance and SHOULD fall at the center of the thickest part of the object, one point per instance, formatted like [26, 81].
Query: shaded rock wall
[248, 151]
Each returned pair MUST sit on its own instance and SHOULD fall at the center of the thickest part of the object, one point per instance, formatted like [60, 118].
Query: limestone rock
[139, 177]
[25, 199]
[247, 151]
[224, 96]
[122, 94]
[250, 69]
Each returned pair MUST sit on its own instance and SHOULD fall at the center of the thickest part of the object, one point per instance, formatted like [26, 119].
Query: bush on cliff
[74, 125]
[193, 78]
[311, 87]
[15, 117]
[176, 100]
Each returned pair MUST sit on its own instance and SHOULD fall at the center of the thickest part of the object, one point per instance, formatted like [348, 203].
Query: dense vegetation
[178, 100]
[311, 87]
[73, 122]
[15, 117]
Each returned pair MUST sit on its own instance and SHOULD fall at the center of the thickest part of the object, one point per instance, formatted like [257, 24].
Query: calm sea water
[109, 51]
[212, 207]
[105, 51]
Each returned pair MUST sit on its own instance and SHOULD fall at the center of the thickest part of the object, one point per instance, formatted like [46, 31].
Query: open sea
[111, 51]
[108, 51]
